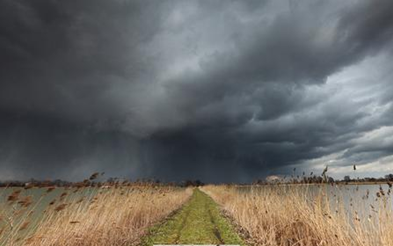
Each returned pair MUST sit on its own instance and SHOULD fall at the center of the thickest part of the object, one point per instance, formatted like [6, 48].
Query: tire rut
[216, 232]
[181, 227]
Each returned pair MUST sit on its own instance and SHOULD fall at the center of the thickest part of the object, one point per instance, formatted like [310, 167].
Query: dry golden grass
[279, 215]
[116, 215]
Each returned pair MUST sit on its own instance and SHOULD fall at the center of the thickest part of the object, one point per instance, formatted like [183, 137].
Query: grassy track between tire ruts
[198, 222]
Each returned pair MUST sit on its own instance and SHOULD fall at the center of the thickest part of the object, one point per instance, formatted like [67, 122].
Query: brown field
[279, 215]
[116, 215]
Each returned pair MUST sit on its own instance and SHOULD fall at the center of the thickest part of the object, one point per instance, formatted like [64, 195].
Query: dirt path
[198, 222]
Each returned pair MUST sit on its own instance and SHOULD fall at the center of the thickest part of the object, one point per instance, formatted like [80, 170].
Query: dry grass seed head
[14, 196]
[24, 225]
[50, 189]
[60, 207]
[26, 201]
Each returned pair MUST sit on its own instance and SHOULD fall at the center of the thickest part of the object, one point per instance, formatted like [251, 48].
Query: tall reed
[283, 215]
[110, 215]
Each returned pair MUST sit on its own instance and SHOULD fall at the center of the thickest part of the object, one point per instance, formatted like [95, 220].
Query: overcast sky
[214, 90]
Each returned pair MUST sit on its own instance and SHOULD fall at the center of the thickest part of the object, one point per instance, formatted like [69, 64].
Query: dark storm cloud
[61, 57]
[217, 90]
[59, 63]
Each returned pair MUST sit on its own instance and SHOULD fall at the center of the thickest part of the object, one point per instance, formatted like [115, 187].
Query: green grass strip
[199, 221]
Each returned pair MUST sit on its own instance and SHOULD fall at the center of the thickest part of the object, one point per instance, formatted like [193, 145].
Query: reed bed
[108, 215]
[307, 215]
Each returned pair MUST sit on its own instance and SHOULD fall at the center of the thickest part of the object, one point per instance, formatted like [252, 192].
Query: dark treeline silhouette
[325, 179]
[97, 180]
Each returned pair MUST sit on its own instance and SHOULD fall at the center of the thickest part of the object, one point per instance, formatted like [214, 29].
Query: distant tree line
[96, 180]
[324, 179]
[387, 178]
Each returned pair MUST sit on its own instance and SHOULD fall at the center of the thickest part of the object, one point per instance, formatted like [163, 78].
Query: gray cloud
[221, 91]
